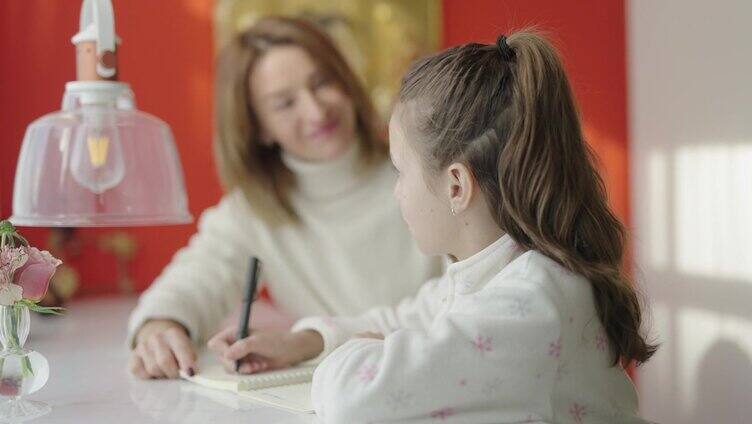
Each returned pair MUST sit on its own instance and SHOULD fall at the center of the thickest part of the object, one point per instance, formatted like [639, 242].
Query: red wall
[167, 57]
[590, 35]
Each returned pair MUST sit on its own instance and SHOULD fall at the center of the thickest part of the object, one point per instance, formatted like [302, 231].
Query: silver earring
[453, 211]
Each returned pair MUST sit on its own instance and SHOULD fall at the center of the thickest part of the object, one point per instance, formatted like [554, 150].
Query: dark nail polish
[191, 372]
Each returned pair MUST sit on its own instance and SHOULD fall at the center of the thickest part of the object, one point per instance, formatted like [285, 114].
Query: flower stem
[13, 339]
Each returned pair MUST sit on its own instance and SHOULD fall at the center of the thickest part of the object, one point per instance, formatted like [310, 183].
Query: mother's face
[299, 106]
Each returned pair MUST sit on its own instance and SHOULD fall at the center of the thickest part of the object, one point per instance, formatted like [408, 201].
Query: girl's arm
[415, 312]
[482, 362]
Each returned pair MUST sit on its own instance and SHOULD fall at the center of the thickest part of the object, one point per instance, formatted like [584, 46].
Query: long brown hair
[507, 111]
[242, 160]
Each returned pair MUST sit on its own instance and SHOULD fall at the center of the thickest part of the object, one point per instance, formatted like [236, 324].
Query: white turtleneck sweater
[349, 252]
[505, 336]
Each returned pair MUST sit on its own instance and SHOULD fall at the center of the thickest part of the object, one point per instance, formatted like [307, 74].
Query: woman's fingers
[261, 350]
[136, 366]
[164, 357]
[162, 349]
[181, 347]
[245, 368]
[241, 348]
[227, 364]
[221, 341]
[150, 361]
[165, 353]
[157, 357]
[252, 364]
[217, 345]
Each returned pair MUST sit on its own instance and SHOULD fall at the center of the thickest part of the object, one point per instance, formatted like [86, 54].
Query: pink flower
[483, 344]
[35, 275]
[329, 321]
[367, 373]
[554, 348]
[577, 412]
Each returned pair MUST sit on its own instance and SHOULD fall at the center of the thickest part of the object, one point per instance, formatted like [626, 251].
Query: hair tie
[506, 52]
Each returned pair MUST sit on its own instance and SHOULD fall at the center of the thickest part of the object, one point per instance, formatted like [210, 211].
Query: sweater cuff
[177, 314]
[334, 333]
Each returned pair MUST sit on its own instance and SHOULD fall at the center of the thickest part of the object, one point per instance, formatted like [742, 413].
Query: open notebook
[288, 389]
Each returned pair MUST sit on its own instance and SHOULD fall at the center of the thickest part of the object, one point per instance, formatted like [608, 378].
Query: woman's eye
[321, 82]
[282, 104]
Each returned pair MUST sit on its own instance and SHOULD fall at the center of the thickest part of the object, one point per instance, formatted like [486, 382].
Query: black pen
[248, 295]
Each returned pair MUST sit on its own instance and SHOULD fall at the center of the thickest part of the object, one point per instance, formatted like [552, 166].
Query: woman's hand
[162, 349]
[265, 350]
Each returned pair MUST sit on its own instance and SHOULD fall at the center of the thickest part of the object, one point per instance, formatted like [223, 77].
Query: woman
[308, 191]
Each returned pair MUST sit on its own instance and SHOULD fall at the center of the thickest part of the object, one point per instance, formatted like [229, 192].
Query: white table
[89, 381]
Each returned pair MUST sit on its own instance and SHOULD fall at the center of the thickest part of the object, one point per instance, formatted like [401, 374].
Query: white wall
[690, 92]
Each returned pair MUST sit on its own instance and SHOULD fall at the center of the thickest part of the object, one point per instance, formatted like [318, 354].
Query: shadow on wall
[692, 243]
[724, 384]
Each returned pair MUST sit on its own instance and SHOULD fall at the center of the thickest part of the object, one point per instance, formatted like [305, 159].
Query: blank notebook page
[295, 397]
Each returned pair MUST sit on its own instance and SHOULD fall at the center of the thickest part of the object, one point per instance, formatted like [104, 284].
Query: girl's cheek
[398, 190]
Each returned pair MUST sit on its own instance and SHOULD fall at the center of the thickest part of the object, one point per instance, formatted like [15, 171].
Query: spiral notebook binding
[272, 379]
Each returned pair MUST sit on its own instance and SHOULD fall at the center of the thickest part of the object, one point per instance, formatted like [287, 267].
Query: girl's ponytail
[507, 110]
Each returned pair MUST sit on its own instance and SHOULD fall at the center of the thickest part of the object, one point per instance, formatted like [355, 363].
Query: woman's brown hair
[507, 111]
[242, 160]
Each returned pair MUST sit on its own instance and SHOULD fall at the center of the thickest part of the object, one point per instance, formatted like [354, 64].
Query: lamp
[98, 161]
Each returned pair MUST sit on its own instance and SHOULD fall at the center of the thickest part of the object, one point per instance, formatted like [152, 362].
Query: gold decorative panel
[380, 38]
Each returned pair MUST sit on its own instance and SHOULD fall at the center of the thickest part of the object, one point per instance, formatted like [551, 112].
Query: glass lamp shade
[99, 162]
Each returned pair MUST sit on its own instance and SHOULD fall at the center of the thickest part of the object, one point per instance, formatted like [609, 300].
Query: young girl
[308, 184]
[533, 320]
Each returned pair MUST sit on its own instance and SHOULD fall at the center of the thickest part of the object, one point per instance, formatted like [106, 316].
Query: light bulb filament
[97, 150]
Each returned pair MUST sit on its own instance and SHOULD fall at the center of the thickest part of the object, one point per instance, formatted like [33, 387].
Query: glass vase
[22, 371]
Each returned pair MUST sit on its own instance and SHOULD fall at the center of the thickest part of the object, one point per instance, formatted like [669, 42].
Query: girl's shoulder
[536, 266]
[560, 284]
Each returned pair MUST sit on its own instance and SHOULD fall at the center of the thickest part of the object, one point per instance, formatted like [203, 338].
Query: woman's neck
[330, 178]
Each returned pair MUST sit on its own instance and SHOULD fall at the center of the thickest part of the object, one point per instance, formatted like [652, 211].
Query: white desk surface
[89, 381]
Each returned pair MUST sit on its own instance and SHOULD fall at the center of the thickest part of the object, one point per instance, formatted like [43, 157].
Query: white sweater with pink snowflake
[504, 336]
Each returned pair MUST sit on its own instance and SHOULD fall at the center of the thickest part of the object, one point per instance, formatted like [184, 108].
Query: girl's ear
[461, 187]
